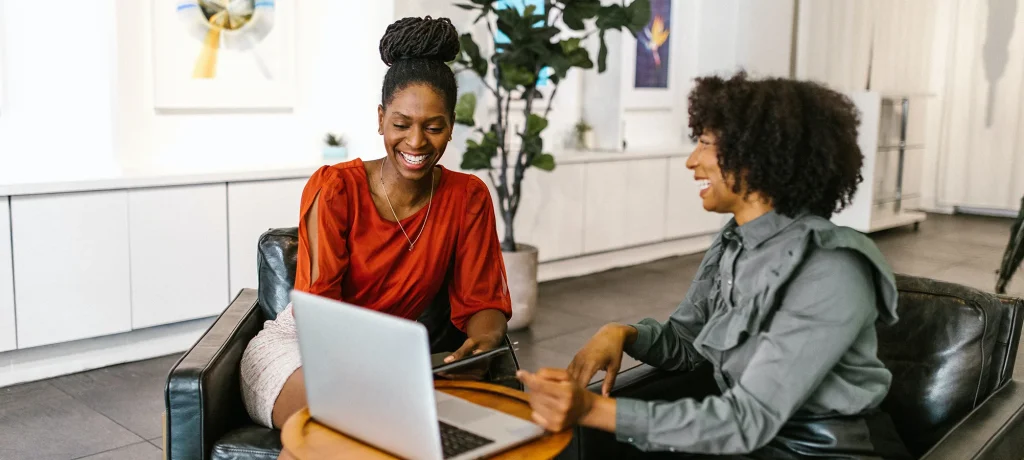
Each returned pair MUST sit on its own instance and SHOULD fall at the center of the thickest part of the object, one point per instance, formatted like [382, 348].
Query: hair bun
[419, 38]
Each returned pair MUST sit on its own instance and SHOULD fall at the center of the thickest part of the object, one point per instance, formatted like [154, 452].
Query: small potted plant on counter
[584, 135]
[334, 147]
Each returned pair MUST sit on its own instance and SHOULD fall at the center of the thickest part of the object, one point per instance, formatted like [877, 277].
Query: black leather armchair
[951, 354]
[205, 417]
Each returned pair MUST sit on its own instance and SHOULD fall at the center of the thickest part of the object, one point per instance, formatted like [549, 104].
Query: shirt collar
[759, 230]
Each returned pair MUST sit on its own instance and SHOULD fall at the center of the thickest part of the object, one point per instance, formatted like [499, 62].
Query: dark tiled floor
[114, 413]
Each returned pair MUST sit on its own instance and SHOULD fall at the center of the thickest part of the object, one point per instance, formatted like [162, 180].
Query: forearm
[661, 345]
[601, 415]
[487, 325]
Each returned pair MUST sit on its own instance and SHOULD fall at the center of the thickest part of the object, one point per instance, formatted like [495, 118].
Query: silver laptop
[368, 375]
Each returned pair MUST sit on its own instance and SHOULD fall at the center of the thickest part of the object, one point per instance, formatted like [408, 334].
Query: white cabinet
[255, 207]
[8, 338]
[71, 266]
[625, 204]
[179, 253]
[550, 215]
[646, 198]
[684, 214]
[605, 205]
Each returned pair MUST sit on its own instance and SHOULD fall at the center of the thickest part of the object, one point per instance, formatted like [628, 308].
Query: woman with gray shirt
[784, 304]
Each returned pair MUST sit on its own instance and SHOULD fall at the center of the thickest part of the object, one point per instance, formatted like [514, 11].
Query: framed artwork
[647, 61]
[223, 54]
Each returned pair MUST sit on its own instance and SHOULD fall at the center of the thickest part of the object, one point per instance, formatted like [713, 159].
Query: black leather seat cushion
[251, 442]
[943, 357]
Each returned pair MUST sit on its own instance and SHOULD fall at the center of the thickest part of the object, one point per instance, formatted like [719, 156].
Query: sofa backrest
[278, 249]
[952, 347]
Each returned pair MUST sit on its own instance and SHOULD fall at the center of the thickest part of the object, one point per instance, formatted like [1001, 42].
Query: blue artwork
[652, 47]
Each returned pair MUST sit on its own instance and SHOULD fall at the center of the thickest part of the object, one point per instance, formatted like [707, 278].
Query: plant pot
[521, 269]
[335, 152]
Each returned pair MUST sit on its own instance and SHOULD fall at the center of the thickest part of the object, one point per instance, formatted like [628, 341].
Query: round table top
[306, 439]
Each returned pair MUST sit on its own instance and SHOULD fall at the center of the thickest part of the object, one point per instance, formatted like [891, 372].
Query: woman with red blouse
[391, 234]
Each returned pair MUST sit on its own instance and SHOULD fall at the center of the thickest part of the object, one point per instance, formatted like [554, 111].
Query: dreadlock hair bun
[419, 38]
[417, 51]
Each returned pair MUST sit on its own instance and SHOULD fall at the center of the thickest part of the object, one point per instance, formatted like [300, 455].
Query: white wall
[338, 79]
[79, 98]
[58, 89]
[712, 37]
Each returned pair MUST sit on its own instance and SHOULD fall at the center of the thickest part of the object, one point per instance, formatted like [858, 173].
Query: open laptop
[368, 375]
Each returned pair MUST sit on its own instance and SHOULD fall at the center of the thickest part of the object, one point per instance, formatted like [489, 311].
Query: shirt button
[630, 440]
[730, 282]
[671, 449]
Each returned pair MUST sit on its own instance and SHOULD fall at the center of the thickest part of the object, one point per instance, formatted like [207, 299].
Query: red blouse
[365, 260]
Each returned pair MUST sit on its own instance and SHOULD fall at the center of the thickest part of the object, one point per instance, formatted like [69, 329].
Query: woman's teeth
[703, 184]
[414, 159]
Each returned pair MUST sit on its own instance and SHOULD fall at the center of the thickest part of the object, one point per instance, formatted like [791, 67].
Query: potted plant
[584, 135]
[534, 43]
[334, 147]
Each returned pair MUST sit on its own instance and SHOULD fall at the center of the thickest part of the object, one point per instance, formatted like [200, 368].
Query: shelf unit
[884, 200]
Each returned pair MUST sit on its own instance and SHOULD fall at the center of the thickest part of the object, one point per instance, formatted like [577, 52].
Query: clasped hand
[559, 398]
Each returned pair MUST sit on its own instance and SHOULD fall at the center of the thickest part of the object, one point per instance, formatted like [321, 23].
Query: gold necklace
[397, 220]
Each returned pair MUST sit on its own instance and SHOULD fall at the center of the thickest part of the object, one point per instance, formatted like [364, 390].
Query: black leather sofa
[204, 416]
[953, 396]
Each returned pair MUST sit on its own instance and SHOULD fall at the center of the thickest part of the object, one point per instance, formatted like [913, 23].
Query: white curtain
[853, 45]
[981, 142]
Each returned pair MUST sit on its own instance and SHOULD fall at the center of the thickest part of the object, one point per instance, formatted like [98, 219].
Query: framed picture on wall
[223, 54]
[647, 61]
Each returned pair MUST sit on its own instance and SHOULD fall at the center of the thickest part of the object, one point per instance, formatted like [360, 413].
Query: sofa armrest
[994, 430]
[202, 396]
[639, 382]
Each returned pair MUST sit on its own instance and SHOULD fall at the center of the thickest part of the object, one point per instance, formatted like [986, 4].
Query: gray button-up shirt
[785, 311]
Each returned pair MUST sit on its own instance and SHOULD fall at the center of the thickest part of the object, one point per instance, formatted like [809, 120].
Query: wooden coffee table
[306, 439]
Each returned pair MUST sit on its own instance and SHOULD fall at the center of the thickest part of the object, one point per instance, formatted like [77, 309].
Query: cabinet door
[684, 213]
[605, 207]
[8, 339]
[179, 253]
[645, 201]
[253, 208]
[71, 259]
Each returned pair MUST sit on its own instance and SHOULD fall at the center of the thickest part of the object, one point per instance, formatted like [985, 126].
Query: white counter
[14, 183]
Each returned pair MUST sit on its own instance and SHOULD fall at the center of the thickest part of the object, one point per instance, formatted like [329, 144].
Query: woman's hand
[474, 345]
[486, 330]
[602, 352]
[558, 401]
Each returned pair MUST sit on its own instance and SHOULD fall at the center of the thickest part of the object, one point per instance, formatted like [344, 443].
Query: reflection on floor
[114, 413]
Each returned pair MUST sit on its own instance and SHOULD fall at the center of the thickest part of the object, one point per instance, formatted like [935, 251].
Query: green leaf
[529, 10]
[570, 45]
[577, 11]
[611, 17]
[470, 48]
[474, 159]
[544, 161]
[573, 19]
[638, 15]
[535, 124]
[467, 7]
[581, 58]
[465, 109]
[513, 76]
[602, 54]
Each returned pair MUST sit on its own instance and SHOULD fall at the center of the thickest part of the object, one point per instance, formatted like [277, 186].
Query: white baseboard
[49, 361]
[599, 262]
[990, 212]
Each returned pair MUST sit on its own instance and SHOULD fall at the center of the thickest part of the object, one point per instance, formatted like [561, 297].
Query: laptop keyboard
[456, 441]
